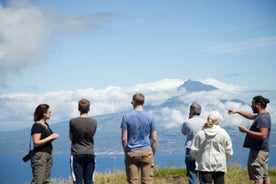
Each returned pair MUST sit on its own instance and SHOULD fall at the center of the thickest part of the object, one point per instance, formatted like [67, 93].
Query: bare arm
[40, 142]
[154, 141]
[124, 140]
[244, 114]
[261, 135]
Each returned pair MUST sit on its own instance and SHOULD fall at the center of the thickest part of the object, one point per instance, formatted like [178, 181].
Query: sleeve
[36, 128]
[96, 126]
[195, 146]
[228, 146]
[183, 130]
[263, 122]
[70, 126]
[153, 125]
[124, 123]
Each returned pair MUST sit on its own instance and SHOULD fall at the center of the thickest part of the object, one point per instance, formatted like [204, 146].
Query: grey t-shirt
[82, 130]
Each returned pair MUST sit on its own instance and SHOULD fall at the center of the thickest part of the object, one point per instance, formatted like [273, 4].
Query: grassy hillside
[234, 175]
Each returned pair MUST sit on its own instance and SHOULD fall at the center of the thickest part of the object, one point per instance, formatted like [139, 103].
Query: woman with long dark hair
[42, 135]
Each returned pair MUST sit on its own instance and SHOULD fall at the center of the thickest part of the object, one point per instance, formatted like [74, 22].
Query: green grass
[172, 175]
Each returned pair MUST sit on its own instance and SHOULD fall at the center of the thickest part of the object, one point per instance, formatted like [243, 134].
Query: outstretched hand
[231, 111]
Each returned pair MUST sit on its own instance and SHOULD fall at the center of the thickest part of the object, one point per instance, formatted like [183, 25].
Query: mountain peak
[195, 86]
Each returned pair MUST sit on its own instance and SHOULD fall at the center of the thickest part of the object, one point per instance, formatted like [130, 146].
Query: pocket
[135, 155]
[147, 158]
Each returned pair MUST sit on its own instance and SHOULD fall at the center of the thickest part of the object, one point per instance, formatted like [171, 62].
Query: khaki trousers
[41, 164]
[139, 160]
[257, 165]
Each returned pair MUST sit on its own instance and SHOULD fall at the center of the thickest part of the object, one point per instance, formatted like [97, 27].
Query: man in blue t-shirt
[257, 139]
[139, 141]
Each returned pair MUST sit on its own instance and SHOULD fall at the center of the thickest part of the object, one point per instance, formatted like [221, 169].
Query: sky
[59, 51]
[70, 45]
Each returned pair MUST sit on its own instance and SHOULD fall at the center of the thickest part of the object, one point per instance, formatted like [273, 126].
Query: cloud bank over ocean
[17, 108]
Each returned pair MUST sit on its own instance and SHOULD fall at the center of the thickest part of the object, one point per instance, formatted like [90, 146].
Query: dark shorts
[208, 177]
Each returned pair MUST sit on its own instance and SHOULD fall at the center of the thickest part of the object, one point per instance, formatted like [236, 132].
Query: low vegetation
[171, 175]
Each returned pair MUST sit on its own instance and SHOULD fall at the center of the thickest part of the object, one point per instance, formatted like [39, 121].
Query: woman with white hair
[211, 147]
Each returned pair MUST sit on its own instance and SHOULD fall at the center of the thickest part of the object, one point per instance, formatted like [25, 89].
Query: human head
[195, 109]
[40, 112]
[214, 118]
[138, 99]
[258, 103]
[84, 106]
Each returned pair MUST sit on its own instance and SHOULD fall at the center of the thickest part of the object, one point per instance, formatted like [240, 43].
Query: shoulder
[265, 116]
[200, 133]
[130, 113]
[36, 128]
[197, 119]
[223, 132]
[200, 136]
[73, 120]
[194, 121]
[148, 114]
[37, 125]
[186, 124]
[138, 113]
[263, 119]
[93, 121]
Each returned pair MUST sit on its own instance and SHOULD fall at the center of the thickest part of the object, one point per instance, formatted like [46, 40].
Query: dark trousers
[83, 167]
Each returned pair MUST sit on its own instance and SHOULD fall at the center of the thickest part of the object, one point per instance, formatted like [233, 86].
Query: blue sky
[57, 52]
[71, 45]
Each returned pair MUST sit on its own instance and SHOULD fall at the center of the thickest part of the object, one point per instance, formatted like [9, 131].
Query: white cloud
[157, 92]
[23, 32]
[26, 32]
[243, 45]
[222, 86]
[19, 107]
[64, 103]
[173, 118]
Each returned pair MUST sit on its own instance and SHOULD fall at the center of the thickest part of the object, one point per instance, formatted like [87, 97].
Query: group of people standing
[208, 146]
[139, 142]
[81, 134]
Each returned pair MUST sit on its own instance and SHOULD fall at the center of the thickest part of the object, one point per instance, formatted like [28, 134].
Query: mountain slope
[196, 86]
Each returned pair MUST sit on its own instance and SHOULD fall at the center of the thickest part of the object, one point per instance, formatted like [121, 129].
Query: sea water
[14, 171]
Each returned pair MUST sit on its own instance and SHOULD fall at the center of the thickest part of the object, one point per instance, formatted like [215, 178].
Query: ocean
[15, 171]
